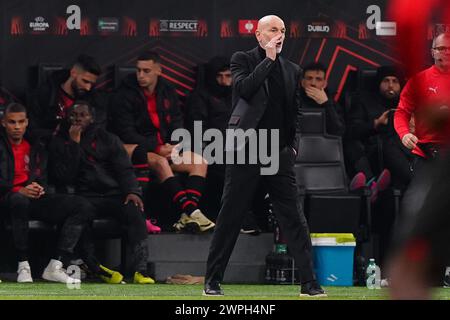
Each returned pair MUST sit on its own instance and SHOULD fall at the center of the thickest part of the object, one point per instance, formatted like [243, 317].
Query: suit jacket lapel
[289, 85]
[259, 58]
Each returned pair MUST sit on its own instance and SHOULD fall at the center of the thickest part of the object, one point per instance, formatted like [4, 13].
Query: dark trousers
[425, 209]
[433, 219]
[129, 216]
[398, 160]
[70, 212]
[362, 158]
[241, 182]
[424, 172]
[214, 190]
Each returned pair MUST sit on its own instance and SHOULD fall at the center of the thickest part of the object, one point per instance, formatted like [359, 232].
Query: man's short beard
[78, 93]
[391, 97]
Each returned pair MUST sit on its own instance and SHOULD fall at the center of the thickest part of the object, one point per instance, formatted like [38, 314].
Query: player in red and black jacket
[132, 119]
[24, 195]
[145, 113]
[48, 105]
[36, 161]
[96, 163]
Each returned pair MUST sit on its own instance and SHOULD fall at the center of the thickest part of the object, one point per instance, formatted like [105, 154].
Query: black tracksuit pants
[129, 216]
[424, 213]
[362, 158]
[70, 212]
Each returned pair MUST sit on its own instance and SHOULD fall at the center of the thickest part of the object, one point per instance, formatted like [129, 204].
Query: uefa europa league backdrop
[339, 33]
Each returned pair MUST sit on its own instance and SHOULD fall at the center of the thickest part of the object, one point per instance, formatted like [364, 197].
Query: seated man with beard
[49, 103]
[370, 125]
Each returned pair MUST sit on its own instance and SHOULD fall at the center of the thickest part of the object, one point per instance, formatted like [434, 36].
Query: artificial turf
[96, 291]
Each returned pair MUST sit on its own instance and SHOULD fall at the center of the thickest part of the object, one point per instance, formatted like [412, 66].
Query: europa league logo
[249, 26]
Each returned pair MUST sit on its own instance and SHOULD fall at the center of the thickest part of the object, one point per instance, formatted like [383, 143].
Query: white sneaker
[56, 273]
[384, 283]
[204, 222]
[187, 224]
[24, 272]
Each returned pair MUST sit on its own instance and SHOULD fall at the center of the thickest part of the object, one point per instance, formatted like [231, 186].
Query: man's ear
[73, 72]
[258, 35]
[325, 84]
[159, 70]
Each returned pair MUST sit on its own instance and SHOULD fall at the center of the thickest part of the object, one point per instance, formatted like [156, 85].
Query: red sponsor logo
[226, 29]
[60, 27]
[129, 28]
[247, 27]
[17, 26]
[202, 30]
[154, 28]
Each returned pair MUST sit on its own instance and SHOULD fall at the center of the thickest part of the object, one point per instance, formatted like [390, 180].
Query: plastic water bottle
[280, 266]
[270, 267]
[373, 273]
[277, 236]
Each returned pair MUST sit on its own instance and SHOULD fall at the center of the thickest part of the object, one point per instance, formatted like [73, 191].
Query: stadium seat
[121, 72]
[321, 176]
[312, 121]
[36, 226]
[200, 71]
[366, 80]
[45, 70]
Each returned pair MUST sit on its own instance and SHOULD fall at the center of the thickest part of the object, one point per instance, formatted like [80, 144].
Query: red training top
[21, 154]
[153, 114]
[427, 96]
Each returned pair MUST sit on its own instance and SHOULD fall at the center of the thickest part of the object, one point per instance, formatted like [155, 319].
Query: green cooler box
[333, 258]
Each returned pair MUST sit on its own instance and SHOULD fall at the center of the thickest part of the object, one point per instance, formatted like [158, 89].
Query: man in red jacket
[427, 97]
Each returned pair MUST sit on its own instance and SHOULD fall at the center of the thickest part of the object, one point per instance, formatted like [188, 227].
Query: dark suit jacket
[250, 72]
